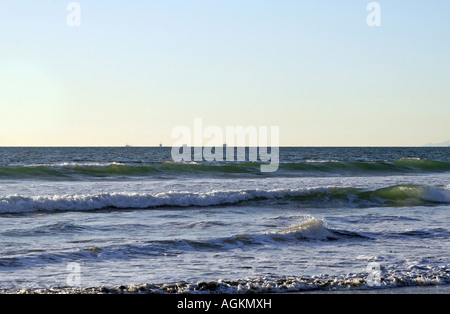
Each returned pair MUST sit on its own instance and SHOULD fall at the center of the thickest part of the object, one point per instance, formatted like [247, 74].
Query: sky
[134, 70]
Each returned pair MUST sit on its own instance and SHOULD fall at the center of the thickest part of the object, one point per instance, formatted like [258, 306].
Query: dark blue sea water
[131, 215]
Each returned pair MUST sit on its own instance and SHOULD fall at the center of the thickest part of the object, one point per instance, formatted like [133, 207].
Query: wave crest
[310, 228]
[401, 195]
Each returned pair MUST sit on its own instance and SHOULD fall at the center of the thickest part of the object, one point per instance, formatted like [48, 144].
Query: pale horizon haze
[134, 70]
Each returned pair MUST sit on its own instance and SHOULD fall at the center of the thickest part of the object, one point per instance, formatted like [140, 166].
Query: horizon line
[280, 146]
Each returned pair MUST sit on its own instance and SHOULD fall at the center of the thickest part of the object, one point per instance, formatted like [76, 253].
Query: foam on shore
[390, 279]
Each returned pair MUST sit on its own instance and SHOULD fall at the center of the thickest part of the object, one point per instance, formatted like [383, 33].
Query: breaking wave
[309, 230]
[399, 195]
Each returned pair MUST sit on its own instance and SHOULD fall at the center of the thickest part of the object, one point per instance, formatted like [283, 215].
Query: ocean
[330, 218]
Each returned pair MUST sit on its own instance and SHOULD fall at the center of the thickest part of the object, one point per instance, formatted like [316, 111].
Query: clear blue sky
[136, 69]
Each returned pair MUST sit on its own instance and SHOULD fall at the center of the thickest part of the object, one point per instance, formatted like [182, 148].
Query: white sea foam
[17, 203]
[439, 195]
[391, 279]
[311, 228]
[127, 200]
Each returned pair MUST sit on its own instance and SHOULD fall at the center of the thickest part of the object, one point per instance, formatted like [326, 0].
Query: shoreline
[349, 284]
[143, 289]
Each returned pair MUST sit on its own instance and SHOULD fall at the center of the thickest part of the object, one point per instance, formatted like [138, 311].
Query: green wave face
[171, 168]
[423, 164]
[413, 194]
[400, 165]
[399, 195]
